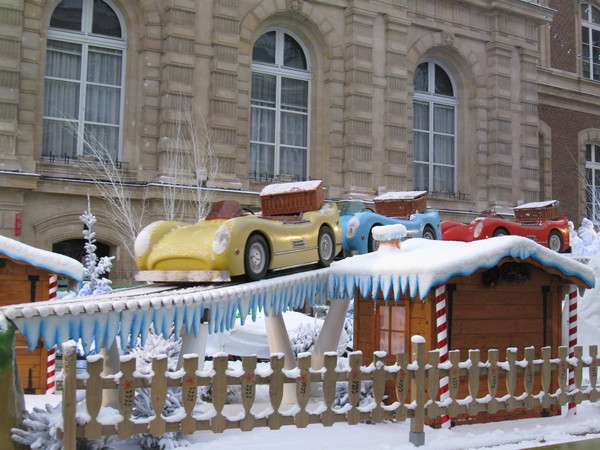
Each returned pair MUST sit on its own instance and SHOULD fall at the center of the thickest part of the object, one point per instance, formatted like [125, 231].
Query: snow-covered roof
[280, 188]
[53, 262]
[422, 264]
[400, 195]
[536, 204]
[130, 312]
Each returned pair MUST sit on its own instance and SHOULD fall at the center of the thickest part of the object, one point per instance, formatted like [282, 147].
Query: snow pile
[280, 188]
[53, 262]
[402, 195]
[388, 233]
[414, 268]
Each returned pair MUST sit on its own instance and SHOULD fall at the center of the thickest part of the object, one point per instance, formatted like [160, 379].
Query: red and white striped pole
[572, 340]
[51, 362]
[442, 343]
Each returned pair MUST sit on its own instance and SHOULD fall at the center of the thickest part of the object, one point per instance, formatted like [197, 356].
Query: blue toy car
[358, 220]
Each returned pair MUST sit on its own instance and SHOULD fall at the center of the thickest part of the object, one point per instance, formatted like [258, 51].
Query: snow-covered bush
[94, 268]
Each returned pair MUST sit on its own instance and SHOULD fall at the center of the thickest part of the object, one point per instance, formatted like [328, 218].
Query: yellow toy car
[236, 240]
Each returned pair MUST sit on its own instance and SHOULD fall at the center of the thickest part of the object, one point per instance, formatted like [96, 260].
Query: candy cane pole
[51, 362]
[442, 343]
[572, 340]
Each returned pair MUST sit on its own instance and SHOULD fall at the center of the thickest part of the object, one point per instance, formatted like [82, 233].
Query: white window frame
[589, 27]
[279, 71]
[88, 39]
[591, 186]
[432, 99]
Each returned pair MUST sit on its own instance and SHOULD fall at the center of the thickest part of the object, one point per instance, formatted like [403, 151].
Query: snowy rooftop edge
[412, 267]
[103, 317]
[44, 259]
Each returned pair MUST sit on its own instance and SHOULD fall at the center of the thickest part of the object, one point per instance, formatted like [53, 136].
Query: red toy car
[538, 221]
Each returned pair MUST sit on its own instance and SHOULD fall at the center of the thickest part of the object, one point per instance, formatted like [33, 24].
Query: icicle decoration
[130, 312]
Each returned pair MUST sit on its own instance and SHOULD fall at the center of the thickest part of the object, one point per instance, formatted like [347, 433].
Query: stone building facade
[478, 102]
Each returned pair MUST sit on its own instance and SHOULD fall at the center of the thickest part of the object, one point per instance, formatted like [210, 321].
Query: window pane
[263, 125]
[294, 94]
[262, 160]
[443, 179]
[104, 66]
[443, 119]
[293, 55]
[105, 20]
[421, 176]
[59, 138]
[383, 341]
[61, 99]
[293, 129]
[63, 60]
[103, 140]
[589, 178]
[585, 8]
[597, 153]
[263, 89]
[67, 15]
[421, 119]
[398, 340]
[398, 318]
[293, 162]
[595, 14]
[443, 85]
[102, 104]
[421, 144]
[588, 153]
[264, 48]
[421, 78]
[384, 317]
[443, 149]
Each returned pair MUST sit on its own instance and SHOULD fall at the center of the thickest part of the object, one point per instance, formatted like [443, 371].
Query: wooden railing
[422, 370]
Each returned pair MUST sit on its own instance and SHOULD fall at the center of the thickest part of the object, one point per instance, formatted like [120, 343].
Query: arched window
[280, 107]
[434, 130]
[590, 40]
[592, 181]
[83, 92]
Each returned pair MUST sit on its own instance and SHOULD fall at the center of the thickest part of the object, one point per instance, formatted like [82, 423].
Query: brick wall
[563, 32]
[565, 127]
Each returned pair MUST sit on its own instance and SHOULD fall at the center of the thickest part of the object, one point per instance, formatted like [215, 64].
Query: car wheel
[256, 257]
[428, 233]
[326, 246]
[500, 232]
[555, 241]
[373, 244]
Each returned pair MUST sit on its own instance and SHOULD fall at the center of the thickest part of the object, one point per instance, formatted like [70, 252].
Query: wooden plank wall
[16, 279]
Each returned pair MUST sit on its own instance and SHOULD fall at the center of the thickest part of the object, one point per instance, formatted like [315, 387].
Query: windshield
[353, 207]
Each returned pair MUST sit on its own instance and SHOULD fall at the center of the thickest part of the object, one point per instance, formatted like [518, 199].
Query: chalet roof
[421, 264]
[53, 262]
[130, 312]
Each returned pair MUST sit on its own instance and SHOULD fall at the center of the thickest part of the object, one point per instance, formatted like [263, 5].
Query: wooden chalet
[25, 277]
[500, 293]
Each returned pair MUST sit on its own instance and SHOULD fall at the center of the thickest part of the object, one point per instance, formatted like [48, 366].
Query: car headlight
[478, 229]
[221, 240]
[352, 227]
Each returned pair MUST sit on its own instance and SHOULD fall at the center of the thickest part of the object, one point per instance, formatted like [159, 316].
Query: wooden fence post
[69, 400]
[593, 371]
[417, 423]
